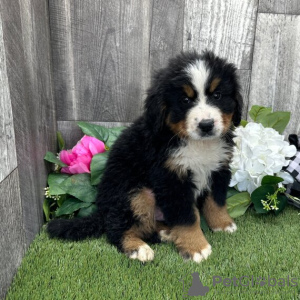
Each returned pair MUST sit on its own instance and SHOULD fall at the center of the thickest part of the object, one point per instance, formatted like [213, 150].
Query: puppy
[173, 160]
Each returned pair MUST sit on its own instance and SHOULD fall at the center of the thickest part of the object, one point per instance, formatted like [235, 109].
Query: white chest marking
[201, 158]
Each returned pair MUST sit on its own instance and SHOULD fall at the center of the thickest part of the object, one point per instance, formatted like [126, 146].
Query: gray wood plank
[226, 27]
[275, 79]
[166, 31]
[100, 58]
[12, 235]
[245, 77]
[279, 6]
[72, 133]
[27, 47]
[8, 157]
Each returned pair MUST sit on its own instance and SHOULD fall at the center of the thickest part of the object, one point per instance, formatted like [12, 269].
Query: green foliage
[69, 195]
[97, 167]
[51, 157]
[238, 204]
[277, 120]
[269, 196]
[244, 123]
[70, 206]
[60, 141]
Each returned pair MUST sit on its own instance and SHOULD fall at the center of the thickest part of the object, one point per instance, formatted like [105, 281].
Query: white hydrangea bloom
[259, 151]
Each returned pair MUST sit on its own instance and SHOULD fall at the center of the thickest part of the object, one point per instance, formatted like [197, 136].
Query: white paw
[204, 254]
[231, 228]
[164, 236]
[144, 253]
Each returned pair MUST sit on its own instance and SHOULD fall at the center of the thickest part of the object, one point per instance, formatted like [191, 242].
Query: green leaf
[54, 181]
[243, 123]
[97, 131]
[114, 133]
[257, 113]
[60, 140]
[238, 204]
[282, 203]
[97, 167]
[51, 157]
[203, 224]
[260, 194]
[271, 180]
[80, 187]
[46, 208]
[277, 120]
[70, 206]
[86, 211]
[231, 191]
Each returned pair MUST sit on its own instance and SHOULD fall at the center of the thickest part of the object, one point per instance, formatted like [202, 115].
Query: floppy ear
[237, 115]
[155, 108]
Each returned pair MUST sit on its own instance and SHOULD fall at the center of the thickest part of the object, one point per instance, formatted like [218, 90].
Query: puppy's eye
[217, 95]
[186, 100]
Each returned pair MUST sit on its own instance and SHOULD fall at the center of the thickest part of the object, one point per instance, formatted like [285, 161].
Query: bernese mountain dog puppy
[170, 164]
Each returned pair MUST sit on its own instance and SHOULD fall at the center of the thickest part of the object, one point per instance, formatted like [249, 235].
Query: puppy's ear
[237, 115]
[155, 108]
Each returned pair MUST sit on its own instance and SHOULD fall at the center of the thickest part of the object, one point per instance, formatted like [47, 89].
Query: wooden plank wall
[104, 51]
[27, 127]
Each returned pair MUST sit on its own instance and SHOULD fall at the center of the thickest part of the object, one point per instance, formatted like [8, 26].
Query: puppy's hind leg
[142, 206]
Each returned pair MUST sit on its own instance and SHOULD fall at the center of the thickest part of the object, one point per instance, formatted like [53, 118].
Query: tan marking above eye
[215, 82]
[188, 90]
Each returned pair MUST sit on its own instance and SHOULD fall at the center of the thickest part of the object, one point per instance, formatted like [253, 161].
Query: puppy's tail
[78, 228]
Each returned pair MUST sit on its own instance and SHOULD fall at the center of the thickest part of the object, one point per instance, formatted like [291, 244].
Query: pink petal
[96, 146]
[79, 168]
[80, 149]
[65, 170]
[66, 157]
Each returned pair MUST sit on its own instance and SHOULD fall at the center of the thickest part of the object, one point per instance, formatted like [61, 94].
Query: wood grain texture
[8, 157]
[27, 47]
[245, 78]
[12, 237]
[225, 27]
[100, 58]
[279, 6]
[72, 133]
[166, 31]
[275, 79]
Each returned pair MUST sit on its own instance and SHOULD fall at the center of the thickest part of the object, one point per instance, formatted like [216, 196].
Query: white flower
[259, 151]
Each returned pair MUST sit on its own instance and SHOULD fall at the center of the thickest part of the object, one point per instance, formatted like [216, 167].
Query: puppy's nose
[206, 125]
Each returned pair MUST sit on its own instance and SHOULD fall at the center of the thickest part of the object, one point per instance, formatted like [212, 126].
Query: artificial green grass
[263, 246]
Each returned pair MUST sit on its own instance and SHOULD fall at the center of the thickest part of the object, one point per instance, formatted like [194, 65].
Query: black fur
[138, 157]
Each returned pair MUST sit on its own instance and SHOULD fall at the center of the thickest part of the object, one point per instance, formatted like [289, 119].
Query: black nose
[206, 125]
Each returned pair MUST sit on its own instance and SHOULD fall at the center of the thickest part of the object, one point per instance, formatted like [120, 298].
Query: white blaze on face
[199, 75]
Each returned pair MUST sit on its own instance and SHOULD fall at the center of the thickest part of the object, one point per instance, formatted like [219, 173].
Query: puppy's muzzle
[206, 126]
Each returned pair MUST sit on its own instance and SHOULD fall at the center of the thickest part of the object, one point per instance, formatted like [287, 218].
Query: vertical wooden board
[166, 31]
[275, 79]
[27, 48]
[225, 27]
[8, 158]
[245, 76]
[279, 6]
[11, 228]
[72, 133]
[100, 58]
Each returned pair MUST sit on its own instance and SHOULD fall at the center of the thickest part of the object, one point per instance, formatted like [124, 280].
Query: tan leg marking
[189, 240]
[142, 205]
[217, 216]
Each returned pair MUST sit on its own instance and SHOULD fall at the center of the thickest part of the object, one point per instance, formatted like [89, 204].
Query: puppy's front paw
[229, 228]
[143, 253]
[197, 257]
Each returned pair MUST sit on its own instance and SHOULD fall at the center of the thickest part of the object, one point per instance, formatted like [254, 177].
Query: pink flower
[79, 158]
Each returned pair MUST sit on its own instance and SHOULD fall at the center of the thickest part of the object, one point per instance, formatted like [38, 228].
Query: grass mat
[263, 246]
